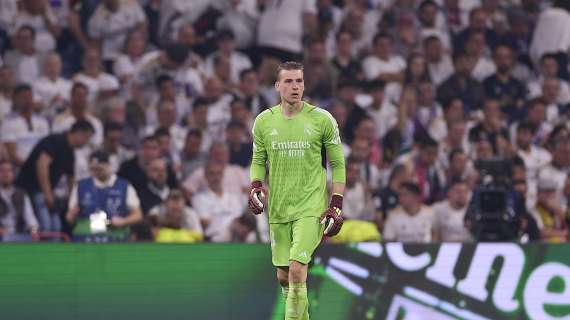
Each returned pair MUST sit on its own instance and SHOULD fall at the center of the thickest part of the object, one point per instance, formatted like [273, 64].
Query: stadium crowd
[143, 109]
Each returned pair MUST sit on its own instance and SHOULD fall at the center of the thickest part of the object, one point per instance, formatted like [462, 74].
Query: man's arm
[12, 150]
[42, 172]
[133, 204]
[259, 157]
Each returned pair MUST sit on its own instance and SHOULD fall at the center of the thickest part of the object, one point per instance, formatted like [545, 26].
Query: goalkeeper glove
[332, 218]
[256, 197]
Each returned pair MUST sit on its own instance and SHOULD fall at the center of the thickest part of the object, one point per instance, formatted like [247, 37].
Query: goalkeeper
[294, 137]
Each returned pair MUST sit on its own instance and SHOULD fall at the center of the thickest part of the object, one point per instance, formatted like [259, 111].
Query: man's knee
[297, 272]
[283, 277]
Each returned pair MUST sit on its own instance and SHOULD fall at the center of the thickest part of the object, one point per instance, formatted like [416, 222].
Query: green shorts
[295, 240]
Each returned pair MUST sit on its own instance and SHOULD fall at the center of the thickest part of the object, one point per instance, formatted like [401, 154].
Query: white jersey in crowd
[45, 90]
[15, 129]
[356, 203]
[403, 227]
[219, 210]
[281, 24]
[113, 27]
[104, 81]
[551, 33]
[44, 41]
[449, 224]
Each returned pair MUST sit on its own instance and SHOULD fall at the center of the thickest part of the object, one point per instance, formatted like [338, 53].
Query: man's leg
[297, 305]
[306, 236]
[283, 278]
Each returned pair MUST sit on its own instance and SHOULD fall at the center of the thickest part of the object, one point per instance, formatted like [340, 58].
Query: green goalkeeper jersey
[296, 149]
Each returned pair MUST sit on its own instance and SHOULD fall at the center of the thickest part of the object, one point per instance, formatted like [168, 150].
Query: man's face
[524, 138]
[25, 40]
[383, 48]
[352, 173]
[113, 139]
[458, 163]
[235, 135]
[290, 86]
[219, 153]
[167, 114]
[492, 110]
[156, 172]
[344, 43]
[214, 174]
[317, 53]
[6, 174]
[537, 114]
[6, 78]
[100, 170]
[428, 14]
[408, 199]
[23, 101]
[91, 59]
[433, 50]
[549, 67]
[359, 149]
[167, 89]
[192, 146]
[52, 65]
[79, 98]
[428, 155]
[213, 89]
[458, 195]
[82, 138]
[503, 59]
[150, 150]
[249, 83]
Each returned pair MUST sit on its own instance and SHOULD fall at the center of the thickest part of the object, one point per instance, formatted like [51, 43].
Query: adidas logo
[273, 132]
[303, 254]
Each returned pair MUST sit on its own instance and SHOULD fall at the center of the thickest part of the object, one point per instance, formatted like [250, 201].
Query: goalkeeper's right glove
[256, 197]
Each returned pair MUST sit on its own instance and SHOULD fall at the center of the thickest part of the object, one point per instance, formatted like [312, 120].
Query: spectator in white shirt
[226, 48]
[24, 59]
[38, 15]
[167, 115]
[216, 205]
[234, 179]
[174, 213]
[551, 35]
[240, 16]
[51, 91]
[476, 49]
[384, 65]
[381, 110]
[113, 145]
[111, 23]
[134, 55]
[439, 63]
[23, 129]
[411, 221]
[448, 224]
[558, 168]
[93, 76]
[357, 200]
[549, 69]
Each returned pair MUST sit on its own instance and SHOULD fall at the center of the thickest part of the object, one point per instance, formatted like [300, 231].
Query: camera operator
[497, 212]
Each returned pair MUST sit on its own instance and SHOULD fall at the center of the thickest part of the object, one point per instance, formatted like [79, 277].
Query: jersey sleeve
[259, 157]
[333, 146]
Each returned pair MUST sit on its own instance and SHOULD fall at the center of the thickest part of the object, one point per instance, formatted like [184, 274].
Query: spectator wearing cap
[225, 42]
[51, 90]
[240, 148]
[52, 158]
[22, 129]
[461, 84]
[17, 219]
[549, 214]
[24, 60]
[94, 77]
[510, 92]
[111, 23]
[380, 110]
[345, 62]
[439, 63]
[411, 221]
[104, 192]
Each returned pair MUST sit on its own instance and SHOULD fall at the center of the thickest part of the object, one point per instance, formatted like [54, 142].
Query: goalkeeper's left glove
[332, 218]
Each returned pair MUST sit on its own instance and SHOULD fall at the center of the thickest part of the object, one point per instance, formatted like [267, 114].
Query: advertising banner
[386, 281]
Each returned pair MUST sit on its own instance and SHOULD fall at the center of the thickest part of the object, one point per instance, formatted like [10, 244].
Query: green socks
[297, 304]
